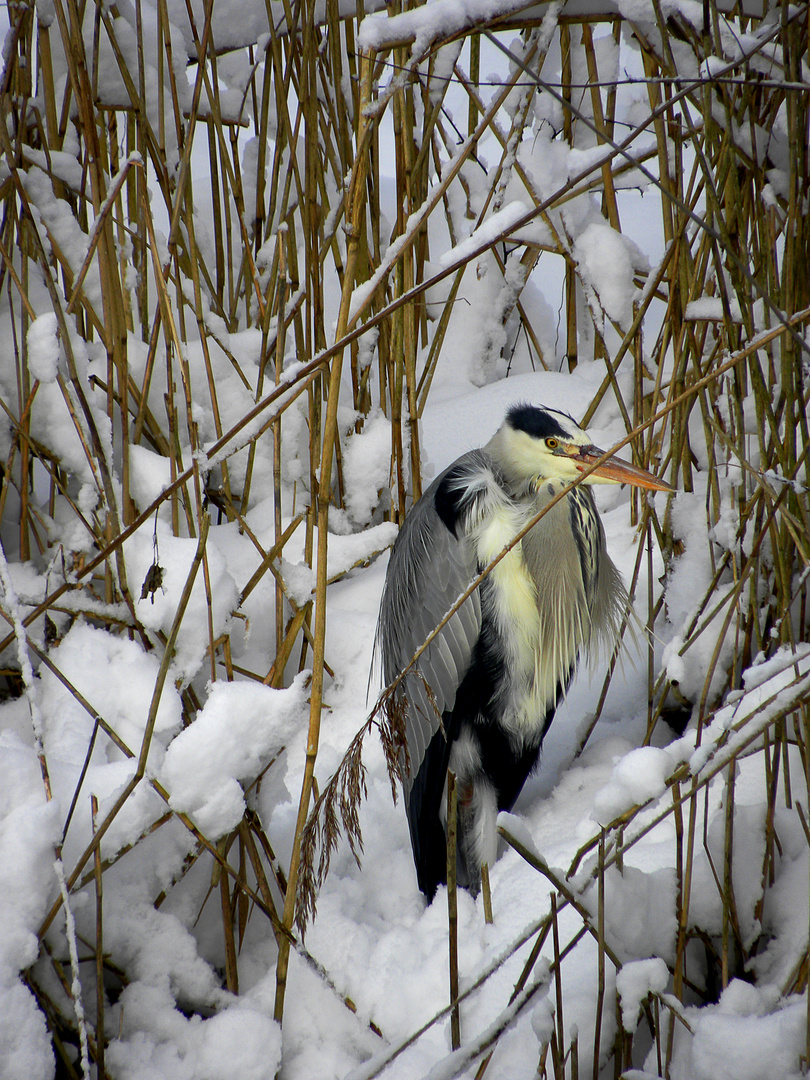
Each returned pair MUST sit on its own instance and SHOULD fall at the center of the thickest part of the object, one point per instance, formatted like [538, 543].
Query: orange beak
[615, 470]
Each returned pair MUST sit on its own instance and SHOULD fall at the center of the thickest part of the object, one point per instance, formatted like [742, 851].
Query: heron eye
[552, 444]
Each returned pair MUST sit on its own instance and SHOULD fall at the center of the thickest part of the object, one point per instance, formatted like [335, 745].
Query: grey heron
[481, 697]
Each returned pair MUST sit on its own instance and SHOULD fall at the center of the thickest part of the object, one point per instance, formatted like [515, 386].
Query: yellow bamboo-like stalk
[600, 936]
[452, 909]
[609, 193]
[486, 894]
[279, 361]
[357, 207]
[99, 943]
[558, 986]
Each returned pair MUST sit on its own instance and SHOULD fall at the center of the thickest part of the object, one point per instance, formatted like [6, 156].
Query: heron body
[481, 697]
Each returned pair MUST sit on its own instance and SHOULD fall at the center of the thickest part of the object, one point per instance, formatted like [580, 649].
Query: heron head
[537, 443]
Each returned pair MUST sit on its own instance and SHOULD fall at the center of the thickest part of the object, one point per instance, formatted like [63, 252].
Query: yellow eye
[552, 444]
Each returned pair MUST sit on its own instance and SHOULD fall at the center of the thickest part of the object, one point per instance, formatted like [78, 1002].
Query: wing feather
[432, 563]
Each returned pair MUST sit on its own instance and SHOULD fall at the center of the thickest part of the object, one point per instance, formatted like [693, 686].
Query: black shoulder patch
[535, 421]
[587, 529]
[449, 498]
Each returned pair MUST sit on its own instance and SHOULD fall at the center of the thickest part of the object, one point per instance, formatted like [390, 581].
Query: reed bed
[233, 245]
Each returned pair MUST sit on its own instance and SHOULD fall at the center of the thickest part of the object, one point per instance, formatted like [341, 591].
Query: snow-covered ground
[374, 940]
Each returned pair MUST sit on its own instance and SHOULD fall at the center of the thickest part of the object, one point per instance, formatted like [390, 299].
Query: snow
[640, 912]
[28, 831]
[368, 988]
[29, 827]
[496, 224]
[27, 1053]
[711, 307]
[157, 611]
[373, 933]
[442, 18]
[735, 1041]
[637, 776]
[366, 468]
[43, 348]
[149, 475]
[234, 736]
[63, 166]
[81, 656]
[635, 982]
[240, 1041]
[605, 258]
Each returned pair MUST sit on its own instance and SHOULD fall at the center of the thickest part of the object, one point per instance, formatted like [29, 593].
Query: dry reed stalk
[99, 945]
[558, 985]
[486, 894]
[600, 939]
[356, 197]
[452, 909]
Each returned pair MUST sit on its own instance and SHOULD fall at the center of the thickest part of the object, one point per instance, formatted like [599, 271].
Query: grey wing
[430, 567]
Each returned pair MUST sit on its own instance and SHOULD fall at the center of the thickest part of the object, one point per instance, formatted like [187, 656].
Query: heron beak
[615, 470]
